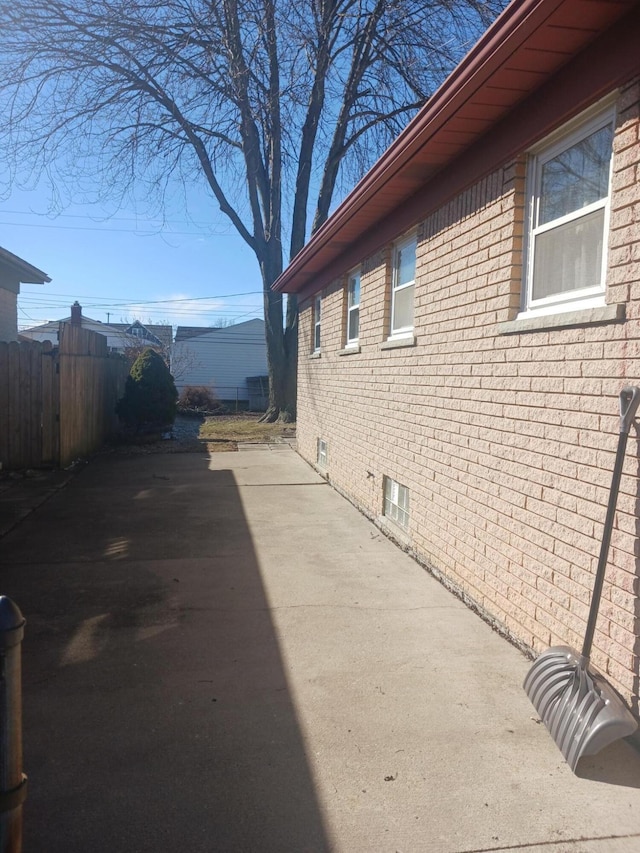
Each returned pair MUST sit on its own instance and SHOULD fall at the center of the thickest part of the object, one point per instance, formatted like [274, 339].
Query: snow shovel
[581, 711]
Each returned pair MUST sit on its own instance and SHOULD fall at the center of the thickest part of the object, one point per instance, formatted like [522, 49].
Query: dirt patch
[216, 434]
[183, 438]
[220, 446]
[245, 428]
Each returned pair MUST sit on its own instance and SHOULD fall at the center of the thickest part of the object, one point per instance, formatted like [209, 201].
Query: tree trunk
[291, 351]
[282, 344]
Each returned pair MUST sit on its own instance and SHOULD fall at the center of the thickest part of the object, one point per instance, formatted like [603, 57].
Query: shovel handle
[629, 401]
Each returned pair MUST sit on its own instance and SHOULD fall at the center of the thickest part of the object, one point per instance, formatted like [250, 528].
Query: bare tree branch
[273, 104]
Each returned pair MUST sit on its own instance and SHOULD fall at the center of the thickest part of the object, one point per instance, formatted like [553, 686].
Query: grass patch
[221, 446]
[244, 429]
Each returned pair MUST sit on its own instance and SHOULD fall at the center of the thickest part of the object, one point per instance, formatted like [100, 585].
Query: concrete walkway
[222, 654]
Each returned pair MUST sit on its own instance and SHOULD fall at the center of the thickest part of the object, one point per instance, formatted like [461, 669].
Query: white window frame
[322, 453]
[317, 322]
[353, 307]
[584, 298]
[398, 246]
[396, 502]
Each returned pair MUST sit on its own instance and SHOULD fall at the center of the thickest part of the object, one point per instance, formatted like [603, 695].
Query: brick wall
[8, 315]
[505, 441]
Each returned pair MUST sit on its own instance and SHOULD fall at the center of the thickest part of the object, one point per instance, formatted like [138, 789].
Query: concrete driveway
[222, 654]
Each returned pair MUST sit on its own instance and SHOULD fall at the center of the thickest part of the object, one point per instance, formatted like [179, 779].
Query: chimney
[76, 313]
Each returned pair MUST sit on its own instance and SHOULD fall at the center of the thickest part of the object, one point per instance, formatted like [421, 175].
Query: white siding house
[220, 359]
[121, 337]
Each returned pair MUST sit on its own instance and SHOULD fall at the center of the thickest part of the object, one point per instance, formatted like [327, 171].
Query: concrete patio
[222, 654]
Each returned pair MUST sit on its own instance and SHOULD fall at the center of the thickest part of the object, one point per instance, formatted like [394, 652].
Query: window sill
[396, 343]
[350, 350]
[567, 319]
[315, 354]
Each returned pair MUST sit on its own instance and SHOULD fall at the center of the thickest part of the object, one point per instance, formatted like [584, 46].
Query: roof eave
[26, 272]
[509, 32]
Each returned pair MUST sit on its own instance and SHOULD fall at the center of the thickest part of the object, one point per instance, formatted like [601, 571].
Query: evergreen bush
[150, 395]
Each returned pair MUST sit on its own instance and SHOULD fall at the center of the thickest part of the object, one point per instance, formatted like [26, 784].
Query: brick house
[13, 272]
[468, 316]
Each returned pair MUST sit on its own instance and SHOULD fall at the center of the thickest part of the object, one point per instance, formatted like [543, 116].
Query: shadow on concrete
[635, 705]
[157, 714]
[618, 764]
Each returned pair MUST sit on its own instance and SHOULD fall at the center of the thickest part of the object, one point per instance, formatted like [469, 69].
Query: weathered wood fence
[57, 403]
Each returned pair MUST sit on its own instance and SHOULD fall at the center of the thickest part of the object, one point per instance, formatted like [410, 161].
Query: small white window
[569, 189]
[353, 308]
[322, 453]
[317, 311]
[396, 502]
[403, 276]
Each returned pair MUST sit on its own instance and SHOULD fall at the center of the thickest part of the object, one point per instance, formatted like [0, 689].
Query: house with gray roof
[121, 337]
[220, 359]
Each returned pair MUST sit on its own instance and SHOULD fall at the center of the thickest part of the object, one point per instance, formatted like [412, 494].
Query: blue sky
[193, 270]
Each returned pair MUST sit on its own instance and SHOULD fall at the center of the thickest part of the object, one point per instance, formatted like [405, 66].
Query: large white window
[317, 312]
[403, 276]
[353, 308]
[569, 188]
[396, 502]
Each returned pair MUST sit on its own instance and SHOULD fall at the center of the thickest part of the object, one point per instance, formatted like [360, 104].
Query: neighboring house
[14, 272]
[221, 359]
[468, 316]
[121, 337]
[154, 335]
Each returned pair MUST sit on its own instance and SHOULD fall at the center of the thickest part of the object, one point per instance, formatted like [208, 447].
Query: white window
[403, 276]
[396, 502]
[569, 187]
[353, 308]
[317, 311]
[322, 453]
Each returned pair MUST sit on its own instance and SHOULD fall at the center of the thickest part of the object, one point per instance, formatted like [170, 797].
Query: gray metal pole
[13, 782]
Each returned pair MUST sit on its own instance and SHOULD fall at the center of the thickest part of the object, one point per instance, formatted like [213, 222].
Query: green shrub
[198, 398]
[150, 395]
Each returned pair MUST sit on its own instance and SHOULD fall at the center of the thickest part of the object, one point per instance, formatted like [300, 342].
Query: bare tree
[182, 361]
[270, 103]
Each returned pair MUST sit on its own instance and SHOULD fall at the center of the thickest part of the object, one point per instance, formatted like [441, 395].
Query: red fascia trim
[609, 62]
[502, 39]
[505, 35]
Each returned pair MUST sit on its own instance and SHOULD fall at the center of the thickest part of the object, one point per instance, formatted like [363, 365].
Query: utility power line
[106, 299]
[144, 227]
[107, 217]
[141, 233]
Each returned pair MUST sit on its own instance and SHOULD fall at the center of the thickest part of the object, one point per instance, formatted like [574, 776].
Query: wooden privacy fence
[57, 403]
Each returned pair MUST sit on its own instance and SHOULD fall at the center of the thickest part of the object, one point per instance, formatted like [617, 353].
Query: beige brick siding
[8, 315]
[505, 441]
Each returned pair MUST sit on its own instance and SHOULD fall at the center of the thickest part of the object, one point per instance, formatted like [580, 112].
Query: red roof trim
[484, 76]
